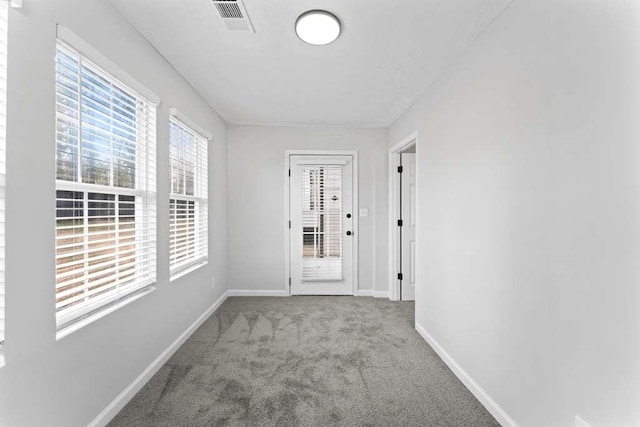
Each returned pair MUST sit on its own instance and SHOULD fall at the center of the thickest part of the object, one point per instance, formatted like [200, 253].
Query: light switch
[364, 212]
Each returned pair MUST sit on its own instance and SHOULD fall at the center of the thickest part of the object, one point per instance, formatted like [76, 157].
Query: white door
[408, 230]
[321, 234]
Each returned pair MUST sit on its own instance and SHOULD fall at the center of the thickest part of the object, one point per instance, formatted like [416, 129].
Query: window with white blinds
[188, 200]
[322, 222]
[105, 188]
[4, 11]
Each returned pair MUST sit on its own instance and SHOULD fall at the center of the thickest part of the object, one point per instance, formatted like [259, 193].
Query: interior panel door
[408, 231]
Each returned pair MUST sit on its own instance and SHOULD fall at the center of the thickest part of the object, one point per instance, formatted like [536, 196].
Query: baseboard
[364, 293]
[381, 294]
[371, 293]
[127, 394]
[494, 409]
[256, 293]
[282, 293]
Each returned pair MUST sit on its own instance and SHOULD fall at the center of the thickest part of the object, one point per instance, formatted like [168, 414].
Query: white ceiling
[388, 54]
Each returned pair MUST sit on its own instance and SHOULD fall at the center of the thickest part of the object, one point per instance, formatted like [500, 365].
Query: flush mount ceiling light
[318, 27]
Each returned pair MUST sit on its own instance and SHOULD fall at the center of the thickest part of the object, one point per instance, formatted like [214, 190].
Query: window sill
[71, 328]
[188, 268]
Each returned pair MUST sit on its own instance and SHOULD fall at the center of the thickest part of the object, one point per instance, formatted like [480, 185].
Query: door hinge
[399, 223]
[289, 281]
[289, 224]
[289, 172]
[399, 276]
[399, 169]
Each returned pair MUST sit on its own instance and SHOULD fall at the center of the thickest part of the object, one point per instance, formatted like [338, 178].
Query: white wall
[68, 382]
[529, 211]
[256, 201]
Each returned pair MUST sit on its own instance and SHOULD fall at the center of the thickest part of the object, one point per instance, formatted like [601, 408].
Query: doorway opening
[403, 218]
[321, 223]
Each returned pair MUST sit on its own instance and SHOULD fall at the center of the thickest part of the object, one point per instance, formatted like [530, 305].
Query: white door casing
[321, 235]
[408, 232]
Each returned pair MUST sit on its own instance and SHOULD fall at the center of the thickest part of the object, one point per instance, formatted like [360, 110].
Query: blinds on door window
[105, 188]
[188, 203]
[322, 222]
[3, 134]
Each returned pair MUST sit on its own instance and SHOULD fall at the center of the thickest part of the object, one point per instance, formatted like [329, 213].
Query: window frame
[200, 198]
[4, 25]
[145, 193]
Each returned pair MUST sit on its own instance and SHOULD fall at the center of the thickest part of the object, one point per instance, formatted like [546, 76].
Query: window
[188, 199]
[4, 11]
[322, 222]
[105, 188]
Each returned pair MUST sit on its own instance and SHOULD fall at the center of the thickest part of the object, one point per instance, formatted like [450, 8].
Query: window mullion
[183, 197]
[96, 188]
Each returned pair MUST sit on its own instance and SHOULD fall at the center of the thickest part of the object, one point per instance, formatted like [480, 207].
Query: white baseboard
[494, 409]
[381, 294]
[127, 394]
[372, 293]
[256, 293]
[282, 293]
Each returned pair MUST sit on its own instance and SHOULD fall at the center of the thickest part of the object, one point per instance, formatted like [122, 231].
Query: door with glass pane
[321, 234]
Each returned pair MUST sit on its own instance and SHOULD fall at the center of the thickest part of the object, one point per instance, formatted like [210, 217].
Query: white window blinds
[3, 134]
[188, 203]
[105, 188]
[322, 222]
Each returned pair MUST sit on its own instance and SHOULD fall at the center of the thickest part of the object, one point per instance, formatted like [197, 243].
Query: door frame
[287, 212]
[394, 207]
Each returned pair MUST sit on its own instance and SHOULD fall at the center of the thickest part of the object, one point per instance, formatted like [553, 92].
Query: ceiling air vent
[234, 15]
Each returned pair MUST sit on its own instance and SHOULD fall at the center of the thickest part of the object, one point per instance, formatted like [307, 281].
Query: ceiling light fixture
[318, 27]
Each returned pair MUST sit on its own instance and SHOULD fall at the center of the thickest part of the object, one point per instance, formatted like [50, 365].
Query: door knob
[349, 233]
[348, 215]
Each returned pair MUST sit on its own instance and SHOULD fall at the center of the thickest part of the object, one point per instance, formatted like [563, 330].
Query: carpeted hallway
[307, 361]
